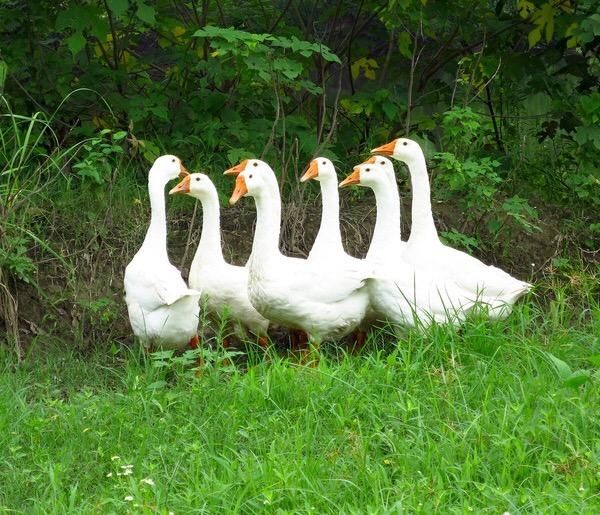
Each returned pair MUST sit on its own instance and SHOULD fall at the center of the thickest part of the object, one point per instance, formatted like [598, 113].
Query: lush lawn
[484, 419]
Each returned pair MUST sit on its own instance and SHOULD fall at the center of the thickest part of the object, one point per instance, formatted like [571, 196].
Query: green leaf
[562, 369]
[146, 13]
[534, 36]
[390, 109]
[405, 44]
[76, 43]
[149, 150]
[577, 378]
[118, 7]
[235, 155]
[595, 360]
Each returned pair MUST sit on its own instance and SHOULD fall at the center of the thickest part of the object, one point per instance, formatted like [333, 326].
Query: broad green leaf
[235, 155]
[547, 15]
[146, 13]
[562, 369]
[76, 42]
[525, 8]
[405, 44]
[118, 7]
[578, 378]
[150, 150]
[534, 36]
[390, 109]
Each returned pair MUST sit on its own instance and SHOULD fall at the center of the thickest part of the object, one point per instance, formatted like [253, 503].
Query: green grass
[485, 419]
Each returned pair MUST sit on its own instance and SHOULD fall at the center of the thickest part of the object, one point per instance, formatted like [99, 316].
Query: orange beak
[239, 191]
[386, 150]
[371, 161]
[183, 171]
[311, 172]
[237, 169]
[182, 187]
[353, 178]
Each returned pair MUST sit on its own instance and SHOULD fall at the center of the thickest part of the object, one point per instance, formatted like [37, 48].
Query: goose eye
[250, 176]
[405, 143]
[197, 178]
[367, 169]
[323, 162]
[254, 164]
[382, 162]
[173, 160]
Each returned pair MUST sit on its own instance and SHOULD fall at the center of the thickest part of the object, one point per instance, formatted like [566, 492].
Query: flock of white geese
[328, 295]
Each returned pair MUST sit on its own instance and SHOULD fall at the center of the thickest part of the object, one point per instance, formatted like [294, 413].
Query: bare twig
[274, 126]
[333, 117]
[188, 240]
[388, 56]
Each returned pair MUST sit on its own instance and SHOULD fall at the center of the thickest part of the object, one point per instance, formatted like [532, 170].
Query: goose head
[402, 149]
[374, 172]
[253, 178]
[166, 168]
[319, 169]
[197, 185]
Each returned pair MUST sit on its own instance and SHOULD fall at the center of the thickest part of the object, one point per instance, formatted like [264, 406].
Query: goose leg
[298, 338]
[359, 341]
[193, 344]
[310, 354]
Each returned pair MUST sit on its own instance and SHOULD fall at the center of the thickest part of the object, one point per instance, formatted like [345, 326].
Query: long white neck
[386, 235]
[268, 226]
[155, 241]
[423, 226]
[329, 235]
[209, 249]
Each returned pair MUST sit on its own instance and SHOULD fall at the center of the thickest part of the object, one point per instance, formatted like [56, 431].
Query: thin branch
[274, 126]
[333, 116]
[280, 17]
[114, 34]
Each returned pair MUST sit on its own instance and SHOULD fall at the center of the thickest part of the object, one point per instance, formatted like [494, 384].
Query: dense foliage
[502, 94]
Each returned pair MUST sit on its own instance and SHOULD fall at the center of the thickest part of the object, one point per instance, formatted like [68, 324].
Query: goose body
[163, 311]
[224, 287]
[400, 291]
[297, 293]
[491, 286]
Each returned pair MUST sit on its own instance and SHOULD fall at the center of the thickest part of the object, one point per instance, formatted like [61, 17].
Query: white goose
[224, 287]
[289, 291]
[490, 285]
[163, 311]
[328, 246]
[401, 292]
[328, 250]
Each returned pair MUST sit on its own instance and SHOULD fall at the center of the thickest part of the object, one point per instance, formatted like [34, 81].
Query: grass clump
[486, 418]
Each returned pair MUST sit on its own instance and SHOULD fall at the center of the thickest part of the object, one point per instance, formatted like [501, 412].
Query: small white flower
[127, 472]
[506, 513]
[113, 458]
[148, 481]
[126, 466]
[128, 498]
[581, 489]
[109, 474]
[171, 513]
[532, 264]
